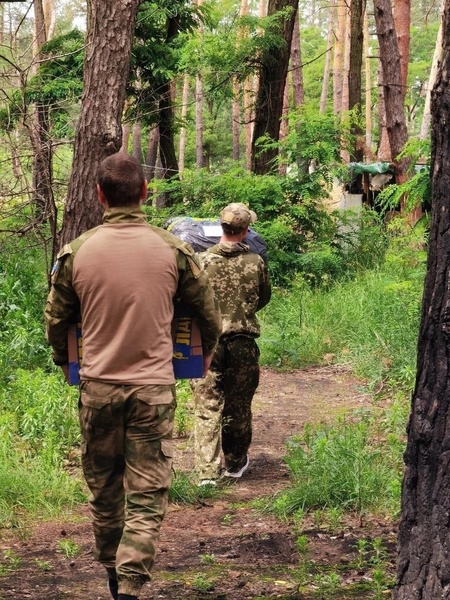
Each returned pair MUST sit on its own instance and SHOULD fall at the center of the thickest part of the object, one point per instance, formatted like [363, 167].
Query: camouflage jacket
[194, 290]
[241, 284]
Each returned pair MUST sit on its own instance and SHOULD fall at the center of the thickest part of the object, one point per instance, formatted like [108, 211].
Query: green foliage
[416, 191]
[44, 410]
[340, 466]
[370, 321]
[22, 295]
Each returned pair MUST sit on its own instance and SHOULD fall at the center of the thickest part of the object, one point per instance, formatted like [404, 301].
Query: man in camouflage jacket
[121, 278]
[223, 399]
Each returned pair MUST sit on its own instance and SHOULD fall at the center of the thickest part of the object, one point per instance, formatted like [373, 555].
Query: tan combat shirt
[122, 277]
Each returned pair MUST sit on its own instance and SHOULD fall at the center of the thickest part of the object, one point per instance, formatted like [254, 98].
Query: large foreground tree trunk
[110, 31]
[424, 532]
[269, 101]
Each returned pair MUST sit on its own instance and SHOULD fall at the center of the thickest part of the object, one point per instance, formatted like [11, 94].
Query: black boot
[113, 586]
[127, 597]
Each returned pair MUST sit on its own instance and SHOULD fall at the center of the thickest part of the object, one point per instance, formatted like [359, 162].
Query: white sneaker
[208, 482]
[237, 474]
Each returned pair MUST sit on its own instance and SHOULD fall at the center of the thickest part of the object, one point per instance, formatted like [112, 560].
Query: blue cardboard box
[187, 347]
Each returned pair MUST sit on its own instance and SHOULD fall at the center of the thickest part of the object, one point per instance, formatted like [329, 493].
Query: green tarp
[373, 169]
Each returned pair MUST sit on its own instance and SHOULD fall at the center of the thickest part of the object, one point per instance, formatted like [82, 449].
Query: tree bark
[426, 119]
[137, 141]
[338, 62]
[183, 130]
[402, 22]
[296, 65]
[357, 10]
[327, 67]
[269, 101]
[423, 561]
[392, 85]
[99, 132]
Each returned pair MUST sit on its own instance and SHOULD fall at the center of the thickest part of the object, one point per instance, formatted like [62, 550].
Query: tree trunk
[424, 531]
[137, 141]
[125, 136]
[357, 10]
[392, 88]
[166, 133]
[183, 130]
[236, 117]
[368, 92]
[199, 150]
[296, 64]
[402, 23]
[327, 67]
[42, 192]
[426, 119]
[338, 63]
[99, 132]
[152, 153]
[269, 101]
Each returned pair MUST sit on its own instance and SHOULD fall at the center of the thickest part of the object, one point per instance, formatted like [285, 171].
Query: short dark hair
[121, 177]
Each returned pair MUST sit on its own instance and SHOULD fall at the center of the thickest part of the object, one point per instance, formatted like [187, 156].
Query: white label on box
[212, 230]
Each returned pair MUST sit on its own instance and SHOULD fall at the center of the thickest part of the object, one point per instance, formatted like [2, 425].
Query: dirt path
[221, 548]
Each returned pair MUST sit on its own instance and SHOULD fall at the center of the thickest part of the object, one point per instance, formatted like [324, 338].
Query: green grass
[370, 324]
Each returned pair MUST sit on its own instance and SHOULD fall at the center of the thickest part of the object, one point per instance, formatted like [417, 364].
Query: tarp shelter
[374, 177]
[201, 234]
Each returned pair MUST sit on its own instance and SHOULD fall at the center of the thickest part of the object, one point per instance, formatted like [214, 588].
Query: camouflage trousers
[127, 463]
[223, 399]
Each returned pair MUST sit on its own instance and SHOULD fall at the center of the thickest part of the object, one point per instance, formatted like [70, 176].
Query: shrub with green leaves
[341, 466]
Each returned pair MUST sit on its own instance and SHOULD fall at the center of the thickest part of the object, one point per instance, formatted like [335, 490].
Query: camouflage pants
[127, 462]
[223, 400]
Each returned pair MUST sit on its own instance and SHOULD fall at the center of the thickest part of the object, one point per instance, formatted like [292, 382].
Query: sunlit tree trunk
[424, 529]
[199, 150]
[328, 57]
[426, 119]
[152, 153]
[402, 22]
[99, 131]
[298, 98]
[368, 91]
[183, 130]
[126, 130]
[137, 141]
[338, 62]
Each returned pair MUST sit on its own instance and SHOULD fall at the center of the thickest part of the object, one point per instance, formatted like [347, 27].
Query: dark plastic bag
[201, 234]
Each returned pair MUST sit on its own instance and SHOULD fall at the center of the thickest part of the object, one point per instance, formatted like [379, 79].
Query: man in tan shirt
[121, 279]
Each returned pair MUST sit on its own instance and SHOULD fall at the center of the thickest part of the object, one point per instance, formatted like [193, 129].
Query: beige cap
[237, 216]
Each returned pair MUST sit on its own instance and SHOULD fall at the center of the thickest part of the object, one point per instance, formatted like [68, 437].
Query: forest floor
[224, 548]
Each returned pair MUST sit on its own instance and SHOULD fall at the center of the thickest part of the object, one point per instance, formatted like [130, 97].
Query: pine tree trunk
[357, 10]
[426, 119]
[137, 141]
[424, 531]
[393, 95]
[327, 67]
[296, 64]
[183, 130]
[269, 101]
[99, 132]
